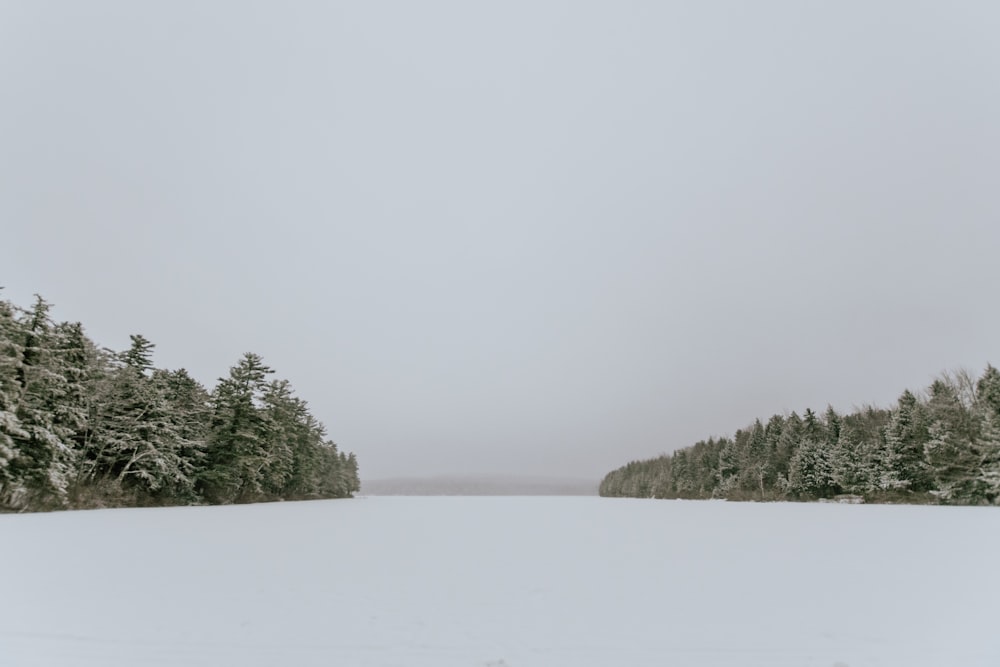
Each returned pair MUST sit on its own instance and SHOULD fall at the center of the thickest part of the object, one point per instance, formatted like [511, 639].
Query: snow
[508, 582]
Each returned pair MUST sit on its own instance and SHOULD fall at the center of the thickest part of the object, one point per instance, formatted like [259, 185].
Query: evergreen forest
[938, 446]
[82, 426]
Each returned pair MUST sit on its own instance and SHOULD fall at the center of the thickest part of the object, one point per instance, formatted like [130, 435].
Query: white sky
[536, 237]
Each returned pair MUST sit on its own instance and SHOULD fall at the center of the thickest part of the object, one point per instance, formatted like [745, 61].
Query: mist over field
[479, 485]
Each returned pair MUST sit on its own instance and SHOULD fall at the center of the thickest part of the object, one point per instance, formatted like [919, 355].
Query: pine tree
[282, 415]
[832, 426]
[851, 464]
[988, 390]
[237, 451]
[679, 482]
[136, 440]
[884, 465]
[988, 475]
[906, 436]
[812, 473]
[191, 414]
[954, 464]
[945, 404]
[788, 444]
[11, 351]
[139, 356]
[755, 464]
[729, 464]
[48, 421]
[772, 438]
[353, 479]
[812, 427]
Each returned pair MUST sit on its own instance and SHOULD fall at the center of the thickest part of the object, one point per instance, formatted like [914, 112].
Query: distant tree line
[82, 426]
[939, 446]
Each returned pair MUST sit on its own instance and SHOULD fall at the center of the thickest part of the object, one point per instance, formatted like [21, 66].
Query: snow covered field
[515, 581]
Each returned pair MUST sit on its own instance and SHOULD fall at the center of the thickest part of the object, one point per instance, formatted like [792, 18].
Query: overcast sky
[534, 237]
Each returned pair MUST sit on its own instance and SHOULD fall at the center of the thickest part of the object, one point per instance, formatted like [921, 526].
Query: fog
[541, 238]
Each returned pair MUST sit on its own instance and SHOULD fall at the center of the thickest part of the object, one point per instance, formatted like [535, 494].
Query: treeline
[942, 445]
[82, 426]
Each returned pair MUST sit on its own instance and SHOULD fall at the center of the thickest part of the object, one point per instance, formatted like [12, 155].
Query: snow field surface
[502, 581]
